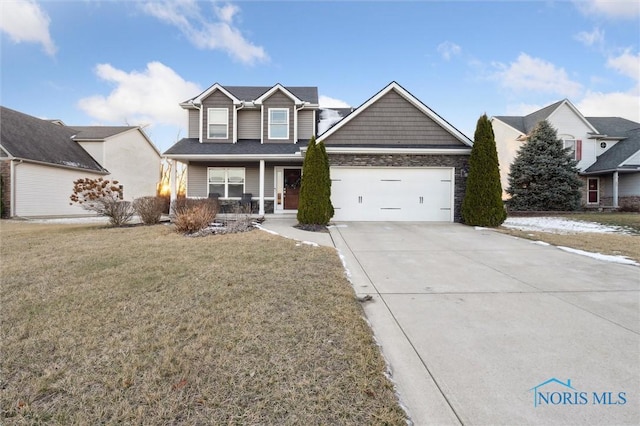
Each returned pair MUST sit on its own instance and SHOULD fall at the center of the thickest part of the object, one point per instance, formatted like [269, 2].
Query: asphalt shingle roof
[31, 138]
[613, 158]
[251, 93]
[191, 146]
[98, 132]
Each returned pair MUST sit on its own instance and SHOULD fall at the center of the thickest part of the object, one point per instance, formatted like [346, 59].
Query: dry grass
[144, 326]
[613, 244]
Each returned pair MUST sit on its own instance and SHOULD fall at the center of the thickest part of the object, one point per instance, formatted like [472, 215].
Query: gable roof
[241, 94]
[525, 124]
[408, 97]
[29, 138]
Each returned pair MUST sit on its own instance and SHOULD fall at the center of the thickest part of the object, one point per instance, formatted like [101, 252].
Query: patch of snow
[481, 228]
[328, 117]
[338, 226]
[72, 220]
[540, 243]
[310, 243]
[266, 230]
[558, 225]
[600, 256]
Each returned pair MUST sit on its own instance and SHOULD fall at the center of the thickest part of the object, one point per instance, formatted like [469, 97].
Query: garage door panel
[392, 194]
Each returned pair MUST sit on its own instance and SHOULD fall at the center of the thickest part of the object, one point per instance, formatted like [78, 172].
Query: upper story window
[218, 123]
[574, 147]
[571, 145]
[278, 123]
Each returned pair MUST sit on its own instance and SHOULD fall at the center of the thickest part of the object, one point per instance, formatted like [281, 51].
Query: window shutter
[579, 149]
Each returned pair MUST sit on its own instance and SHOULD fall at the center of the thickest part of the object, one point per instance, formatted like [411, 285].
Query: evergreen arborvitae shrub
[314, 204]
[544, 176]
[482, 204]
[326, 182]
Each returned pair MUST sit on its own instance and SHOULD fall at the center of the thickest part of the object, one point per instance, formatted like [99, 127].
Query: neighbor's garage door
[392, 194]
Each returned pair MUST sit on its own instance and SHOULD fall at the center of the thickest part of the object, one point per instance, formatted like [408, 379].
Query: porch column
[173, 184]
[261, 195]
[615, 189]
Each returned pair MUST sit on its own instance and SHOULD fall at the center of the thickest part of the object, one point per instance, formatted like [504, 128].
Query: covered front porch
[258, 186]
[611, 189]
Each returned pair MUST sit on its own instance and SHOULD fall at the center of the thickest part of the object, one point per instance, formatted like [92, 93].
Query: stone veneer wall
[411, 160]
[5, 172]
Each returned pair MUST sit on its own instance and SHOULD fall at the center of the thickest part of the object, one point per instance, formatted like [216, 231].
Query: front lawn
[617, 244]
[142, 325]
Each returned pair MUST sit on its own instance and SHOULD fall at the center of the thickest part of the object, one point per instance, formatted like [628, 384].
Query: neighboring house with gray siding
[40, 159]
[392, 158]
[607, 150]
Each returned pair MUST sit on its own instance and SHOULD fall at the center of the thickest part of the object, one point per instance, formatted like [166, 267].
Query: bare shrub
[103, 197]
[149, 209]
[194, 215]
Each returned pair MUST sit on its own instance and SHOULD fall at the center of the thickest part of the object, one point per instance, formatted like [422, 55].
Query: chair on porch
[245, 202]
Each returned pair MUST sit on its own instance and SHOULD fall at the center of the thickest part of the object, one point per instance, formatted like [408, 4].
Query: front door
[292, 179]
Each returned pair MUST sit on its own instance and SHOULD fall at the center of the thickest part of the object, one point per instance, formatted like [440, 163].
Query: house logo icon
[546, 397]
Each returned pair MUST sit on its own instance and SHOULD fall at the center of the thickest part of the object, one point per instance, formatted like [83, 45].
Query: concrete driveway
[473, 323]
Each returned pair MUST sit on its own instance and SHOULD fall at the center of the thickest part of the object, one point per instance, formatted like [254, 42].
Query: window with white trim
[226, 181]
[278, 123]
[572, 145]
[218, 123]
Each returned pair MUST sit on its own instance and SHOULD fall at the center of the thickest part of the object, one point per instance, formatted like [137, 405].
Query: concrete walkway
[471, 321]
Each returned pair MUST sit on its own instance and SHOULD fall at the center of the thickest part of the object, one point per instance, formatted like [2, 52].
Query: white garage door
[392, 194]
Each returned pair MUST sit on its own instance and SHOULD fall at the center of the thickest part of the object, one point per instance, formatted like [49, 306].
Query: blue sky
[132, 62]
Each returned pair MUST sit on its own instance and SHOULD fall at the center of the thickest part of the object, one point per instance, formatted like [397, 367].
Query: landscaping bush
[482, 204]
[149, 209]
[194, 215]
[103, 197]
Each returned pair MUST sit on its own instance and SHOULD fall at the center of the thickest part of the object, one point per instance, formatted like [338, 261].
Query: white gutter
[253, 157]
[295, 121]
[427, 151]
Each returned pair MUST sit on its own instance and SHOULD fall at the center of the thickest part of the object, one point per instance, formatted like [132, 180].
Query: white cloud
[619, 103]
[187, 16]
[595, 37]
[535, 74]
[327, 102]
[25, 21]
[627, 64]
[615, 104]
[625, 9]
[140, 98]
[448, 49]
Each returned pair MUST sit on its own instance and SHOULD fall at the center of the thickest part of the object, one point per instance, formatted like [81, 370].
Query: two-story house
[607, 150]
[392, 158]
[40, 159]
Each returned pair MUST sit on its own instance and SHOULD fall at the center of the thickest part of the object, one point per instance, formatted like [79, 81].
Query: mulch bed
[311, 228]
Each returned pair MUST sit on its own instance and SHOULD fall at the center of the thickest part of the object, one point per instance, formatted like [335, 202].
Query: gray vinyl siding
[249, 124]
[197, 180]
[197, 185]
[217, 100]
[194, 124]
[277, 100]
[305, 124]
[392, 120]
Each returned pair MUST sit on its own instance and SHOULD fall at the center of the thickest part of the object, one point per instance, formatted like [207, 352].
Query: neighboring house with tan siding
[392, 158]
[607, 150]
[40, 159]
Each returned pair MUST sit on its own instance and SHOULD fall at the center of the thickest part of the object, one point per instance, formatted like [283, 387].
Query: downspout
[615, 189]
[295, 122]
[12, 194]
[235, 120]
